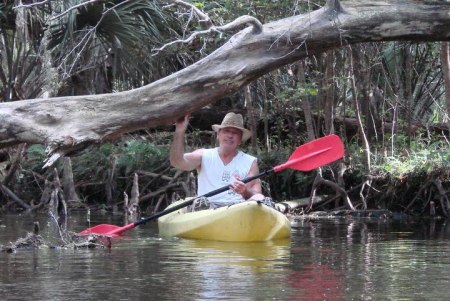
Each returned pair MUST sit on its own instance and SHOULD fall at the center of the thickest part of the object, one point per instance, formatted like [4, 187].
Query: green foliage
[90, 168]
[35, 156]
[270, 159]
[286, 184]
[426, 79]
[420, 156]
[198, 4]
[136, 154]
[130, 155]
[92, 165]
[290, 94]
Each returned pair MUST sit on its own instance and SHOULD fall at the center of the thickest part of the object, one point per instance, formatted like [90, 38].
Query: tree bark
[251, 122]
[15, 164]
[68, 124]
[445, 62]
[358, 110]
[305, 103]
[70, 194]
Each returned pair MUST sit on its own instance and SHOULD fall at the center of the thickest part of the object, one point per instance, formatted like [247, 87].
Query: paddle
[306, 157]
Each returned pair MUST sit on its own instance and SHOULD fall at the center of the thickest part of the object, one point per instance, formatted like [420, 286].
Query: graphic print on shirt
[226, 176]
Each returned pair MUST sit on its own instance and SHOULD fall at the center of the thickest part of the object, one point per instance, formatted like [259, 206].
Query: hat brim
[246, 134]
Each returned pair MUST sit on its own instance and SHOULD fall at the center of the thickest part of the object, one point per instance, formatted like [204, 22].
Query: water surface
[338, 259]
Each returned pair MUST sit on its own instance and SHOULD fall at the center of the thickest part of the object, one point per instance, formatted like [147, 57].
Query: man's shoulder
[208, 150]
[199, 150]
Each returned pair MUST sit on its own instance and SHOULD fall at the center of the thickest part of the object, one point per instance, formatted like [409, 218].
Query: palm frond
[117, 36]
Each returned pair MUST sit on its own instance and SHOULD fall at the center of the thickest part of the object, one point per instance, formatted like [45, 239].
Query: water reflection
[257, 254]
[224, 270]
[324, 260]
[374, 260]
[318, 282]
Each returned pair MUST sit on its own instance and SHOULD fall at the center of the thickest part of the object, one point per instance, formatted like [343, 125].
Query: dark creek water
[337, 259]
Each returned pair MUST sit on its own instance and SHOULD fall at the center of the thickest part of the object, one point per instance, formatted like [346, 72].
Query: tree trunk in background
[358, 110]
[362, 75]
[91, 81]
[445, 61]
[408, 69]
[251, 122]
[305, 102]
[15, 164]
[395, 110]
[265, 115]
[70, 194]
[275, 112]
[330, 95]
[110, 185]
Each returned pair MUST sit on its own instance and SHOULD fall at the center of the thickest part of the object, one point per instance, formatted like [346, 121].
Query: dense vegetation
[386, 100]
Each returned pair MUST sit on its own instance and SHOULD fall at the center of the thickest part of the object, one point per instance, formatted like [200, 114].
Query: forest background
[388, 101]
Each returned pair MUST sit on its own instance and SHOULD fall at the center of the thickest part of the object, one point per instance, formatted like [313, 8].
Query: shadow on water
[329, 259]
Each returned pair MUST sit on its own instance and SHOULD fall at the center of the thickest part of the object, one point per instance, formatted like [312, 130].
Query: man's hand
[240, 188]
[178, 158]
[181, 124]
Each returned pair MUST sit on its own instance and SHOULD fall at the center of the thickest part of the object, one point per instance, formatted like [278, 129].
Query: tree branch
[202, 17]
[31, 5]
[206, 22]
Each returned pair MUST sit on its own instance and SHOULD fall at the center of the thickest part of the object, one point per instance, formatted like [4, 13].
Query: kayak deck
[246, 221]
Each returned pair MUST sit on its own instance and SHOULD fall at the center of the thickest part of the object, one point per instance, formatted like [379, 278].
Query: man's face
[229, 137]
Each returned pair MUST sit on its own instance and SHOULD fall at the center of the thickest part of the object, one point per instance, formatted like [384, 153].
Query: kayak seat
[268, 202]
[202, 203]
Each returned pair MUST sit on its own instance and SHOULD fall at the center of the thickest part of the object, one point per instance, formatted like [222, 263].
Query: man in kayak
[222, 165]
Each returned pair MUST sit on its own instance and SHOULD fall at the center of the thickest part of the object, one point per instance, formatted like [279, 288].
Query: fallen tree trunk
[68, 124]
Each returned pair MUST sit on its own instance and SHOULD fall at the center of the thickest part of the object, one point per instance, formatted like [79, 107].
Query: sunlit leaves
[421, 156]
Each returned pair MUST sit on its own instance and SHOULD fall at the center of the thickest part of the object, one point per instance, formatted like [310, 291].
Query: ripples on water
[324, 260]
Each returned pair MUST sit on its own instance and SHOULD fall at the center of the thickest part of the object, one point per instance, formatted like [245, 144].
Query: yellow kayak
[246, 221]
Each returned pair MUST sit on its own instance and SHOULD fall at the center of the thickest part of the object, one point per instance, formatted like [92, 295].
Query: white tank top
[214, 174]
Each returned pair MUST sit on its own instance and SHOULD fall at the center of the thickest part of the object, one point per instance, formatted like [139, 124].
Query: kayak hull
[246, 221]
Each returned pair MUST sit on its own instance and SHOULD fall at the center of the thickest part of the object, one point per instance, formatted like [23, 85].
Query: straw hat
[232, 120]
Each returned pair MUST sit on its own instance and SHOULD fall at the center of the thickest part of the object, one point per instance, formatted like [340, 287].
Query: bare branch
[202, 17]
[234, 25]
[239, 22]
[206, 23]
[30, 5]
[185, 41]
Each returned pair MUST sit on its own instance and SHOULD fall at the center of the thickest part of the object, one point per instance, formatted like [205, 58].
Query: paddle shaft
[206, 195]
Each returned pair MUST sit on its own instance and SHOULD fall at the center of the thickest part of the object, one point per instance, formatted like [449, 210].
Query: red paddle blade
[314, 154]
[107, 230]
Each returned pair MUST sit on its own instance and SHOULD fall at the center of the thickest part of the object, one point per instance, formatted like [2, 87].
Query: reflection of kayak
[246, 221]
[260, 254]
[277, 249]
